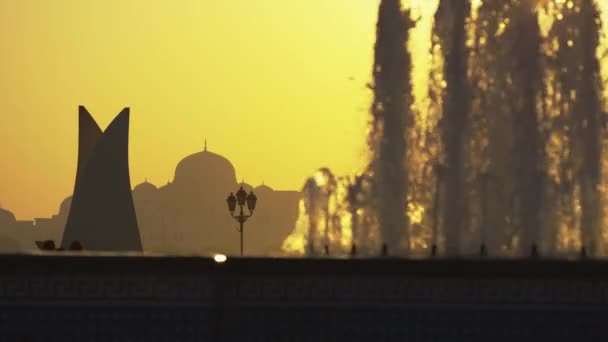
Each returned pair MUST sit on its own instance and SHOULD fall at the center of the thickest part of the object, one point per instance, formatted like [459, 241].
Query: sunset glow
[257, 79]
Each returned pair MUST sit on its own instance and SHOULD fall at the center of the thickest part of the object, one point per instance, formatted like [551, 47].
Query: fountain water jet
[515, 121]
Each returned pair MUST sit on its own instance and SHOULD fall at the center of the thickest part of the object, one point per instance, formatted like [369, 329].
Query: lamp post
[241, 199]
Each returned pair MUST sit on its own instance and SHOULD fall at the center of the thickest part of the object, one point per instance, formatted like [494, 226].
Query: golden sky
[276, 86]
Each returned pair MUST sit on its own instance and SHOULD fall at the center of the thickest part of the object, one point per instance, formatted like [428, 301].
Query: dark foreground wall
[120, 298]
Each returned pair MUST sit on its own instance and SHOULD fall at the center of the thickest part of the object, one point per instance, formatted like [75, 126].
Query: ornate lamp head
[241, 197]
[231, 200]
[251, 201]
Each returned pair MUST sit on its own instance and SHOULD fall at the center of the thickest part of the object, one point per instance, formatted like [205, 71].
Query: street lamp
[241, 199]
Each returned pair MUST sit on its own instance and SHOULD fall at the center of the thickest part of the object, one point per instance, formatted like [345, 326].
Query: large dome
[6, 217]
[205, 168]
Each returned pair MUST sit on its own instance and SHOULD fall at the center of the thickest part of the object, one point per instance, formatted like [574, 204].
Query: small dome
[145, 187]
[246, 187]
[263, 188]
[205, 168]
[6, 217]
[65, 206]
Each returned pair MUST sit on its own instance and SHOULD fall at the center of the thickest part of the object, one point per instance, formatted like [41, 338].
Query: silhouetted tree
[391, 113]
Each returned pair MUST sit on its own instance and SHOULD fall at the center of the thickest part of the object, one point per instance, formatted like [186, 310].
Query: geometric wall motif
[195, 299]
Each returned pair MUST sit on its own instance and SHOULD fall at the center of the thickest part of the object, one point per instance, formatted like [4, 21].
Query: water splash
[324, 223]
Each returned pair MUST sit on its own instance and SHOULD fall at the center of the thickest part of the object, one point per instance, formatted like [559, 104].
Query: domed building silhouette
[189, 214]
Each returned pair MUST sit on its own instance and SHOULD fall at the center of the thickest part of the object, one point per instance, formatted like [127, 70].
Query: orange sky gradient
[277, 87]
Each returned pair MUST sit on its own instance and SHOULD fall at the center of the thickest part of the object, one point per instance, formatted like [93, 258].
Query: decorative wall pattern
[259, 301]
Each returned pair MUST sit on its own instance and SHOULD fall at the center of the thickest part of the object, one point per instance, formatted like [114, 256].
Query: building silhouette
[102, 214]
[16, 235]
[188, 215]
[9, 225]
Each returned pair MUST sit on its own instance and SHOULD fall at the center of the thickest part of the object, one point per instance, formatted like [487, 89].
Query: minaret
[205, 144]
